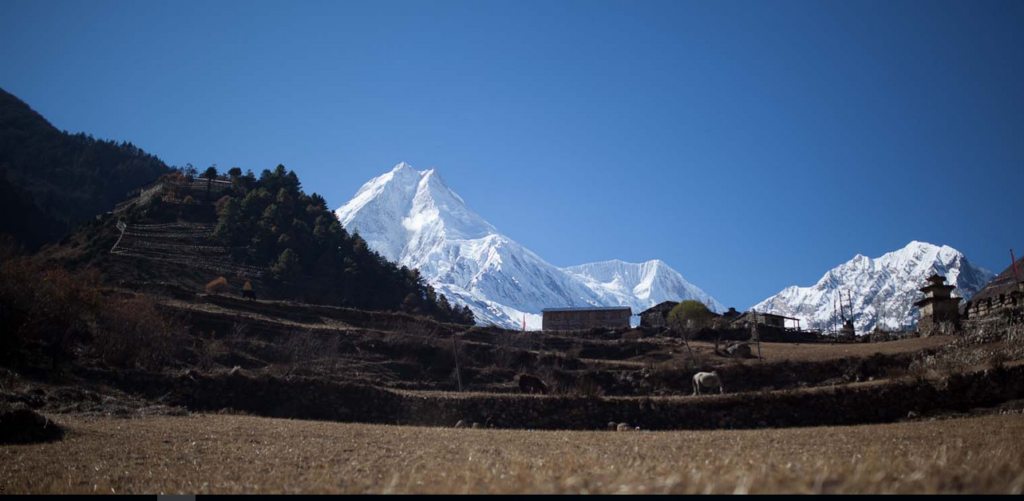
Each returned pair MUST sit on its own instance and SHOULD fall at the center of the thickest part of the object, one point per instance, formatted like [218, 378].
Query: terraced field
[181, 244]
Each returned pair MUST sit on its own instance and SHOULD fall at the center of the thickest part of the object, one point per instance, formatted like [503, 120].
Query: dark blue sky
[750, 144]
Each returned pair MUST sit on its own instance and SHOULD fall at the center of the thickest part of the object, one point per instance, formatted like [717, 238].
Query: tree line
[270, 221]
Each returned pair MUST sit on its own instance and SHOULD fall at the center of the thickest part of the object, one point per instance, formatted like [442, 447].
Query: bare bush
[206, 355]
[312, 350]
[135, 333]
[48, 308]
[217, 286]
[585, 387]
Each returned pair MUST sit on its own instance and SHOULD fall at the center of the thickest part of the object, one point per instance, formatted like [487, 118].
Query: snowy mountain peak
[882, 289]
[413, 218]
[400, 167]
[639, 285]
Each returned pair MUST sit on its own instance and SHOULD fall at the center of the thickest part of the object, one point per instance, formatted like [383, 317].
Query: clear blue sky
[750, 144]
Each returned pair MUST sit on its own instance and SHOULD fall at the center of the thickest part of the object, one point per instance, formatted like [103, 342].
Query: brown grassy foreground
[240, 454]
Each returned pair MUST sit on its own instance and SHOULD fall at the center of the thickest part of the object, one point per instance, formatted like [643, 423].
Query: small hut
[657, 315]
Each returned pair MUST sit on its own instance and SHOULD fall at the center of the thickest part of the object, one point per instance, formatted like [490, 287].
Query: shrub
[45, 308]
[585, 387]
[135, 333]
[218, 285]
[311, 350]
[687, 319]
[690, 314]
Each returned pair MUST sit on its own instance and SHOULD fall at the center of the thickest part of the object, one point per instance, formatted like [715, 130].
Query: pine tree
[210, 175]
[467, 316]
[287, 265]
[228, 222]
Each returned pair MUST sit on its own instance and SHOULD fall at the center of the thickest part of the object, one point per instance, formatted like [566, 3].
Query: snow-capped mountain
[413, 218]
[883, 290]
[639, 285]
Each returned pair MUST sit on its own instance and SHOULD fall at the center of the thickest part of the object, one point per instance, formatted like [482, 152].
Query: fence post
[757, 336]
[458, 369]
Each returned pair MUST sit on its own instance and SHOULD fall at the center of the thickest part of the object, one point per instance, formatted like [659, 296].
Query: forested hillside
[271, 222]
[53, 180]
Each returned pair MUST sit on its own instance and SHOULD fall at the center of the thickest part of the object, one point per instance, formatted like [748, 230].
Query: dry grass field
[241, 454]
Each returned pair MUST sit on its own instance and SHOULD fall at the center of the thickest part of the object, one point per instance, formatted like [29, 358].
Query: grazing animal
[709, 380]
[532, 384]
[623, 427]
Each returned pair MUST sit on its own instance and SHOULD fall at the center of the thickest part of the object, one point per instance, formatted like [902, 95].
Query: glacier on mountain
[414, 219]
[883, 290]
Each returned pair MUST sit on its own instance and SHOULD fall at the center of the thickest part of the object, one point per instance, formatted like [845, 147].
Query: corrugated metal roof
[590, 308]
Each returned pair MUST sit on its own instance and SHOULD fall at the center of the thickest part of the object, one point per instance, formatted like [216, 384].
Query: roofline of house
[592, 308]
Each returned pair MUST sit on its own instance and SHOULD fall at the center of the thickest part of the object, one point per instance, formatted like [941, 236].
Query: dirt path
[324, 323]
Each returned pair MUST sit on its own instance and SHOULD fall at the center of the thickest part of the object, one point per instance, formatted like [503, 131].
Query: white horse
[709, 380]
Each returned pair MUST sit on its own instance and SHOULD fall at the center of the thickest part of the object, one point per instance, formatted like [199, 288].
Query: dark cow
[532, 384]
[250, 295]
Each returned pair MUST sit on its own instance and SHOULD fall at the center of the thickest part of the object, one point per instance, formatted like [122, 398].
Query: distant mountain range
[413, 218]
[883, 290]
[52, 181]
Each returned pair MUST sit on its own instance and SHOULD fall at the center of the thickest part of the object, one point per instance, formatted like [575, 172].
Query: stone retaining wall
[305, 398]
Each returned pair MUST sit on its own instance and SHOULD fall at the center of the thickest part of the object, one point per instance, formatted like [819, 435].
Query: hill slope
[57, 179]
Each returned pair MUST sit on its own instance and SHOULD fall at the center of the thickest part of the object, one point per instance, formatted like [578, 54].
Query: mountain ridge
[883, 289]
[413, 218]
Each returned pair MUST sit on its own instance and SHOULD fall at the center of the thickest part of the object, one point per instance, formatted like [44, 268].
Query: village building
[938, 305]
[1004, 295]
[758, 318]
[580, 319]
[657, 315]
[731, 315]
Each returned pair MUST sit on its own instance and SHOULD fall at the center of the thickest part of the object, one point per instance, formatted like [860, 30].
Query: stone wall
[305, 398]
[575, 320]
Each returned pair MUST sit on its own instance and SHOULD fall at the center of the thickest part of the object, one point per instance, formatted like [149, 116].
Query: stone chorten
[938, 305]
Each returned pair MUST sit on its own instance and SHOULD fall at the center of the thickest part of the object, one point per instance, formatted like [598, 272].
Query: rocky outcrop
[25, 426]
